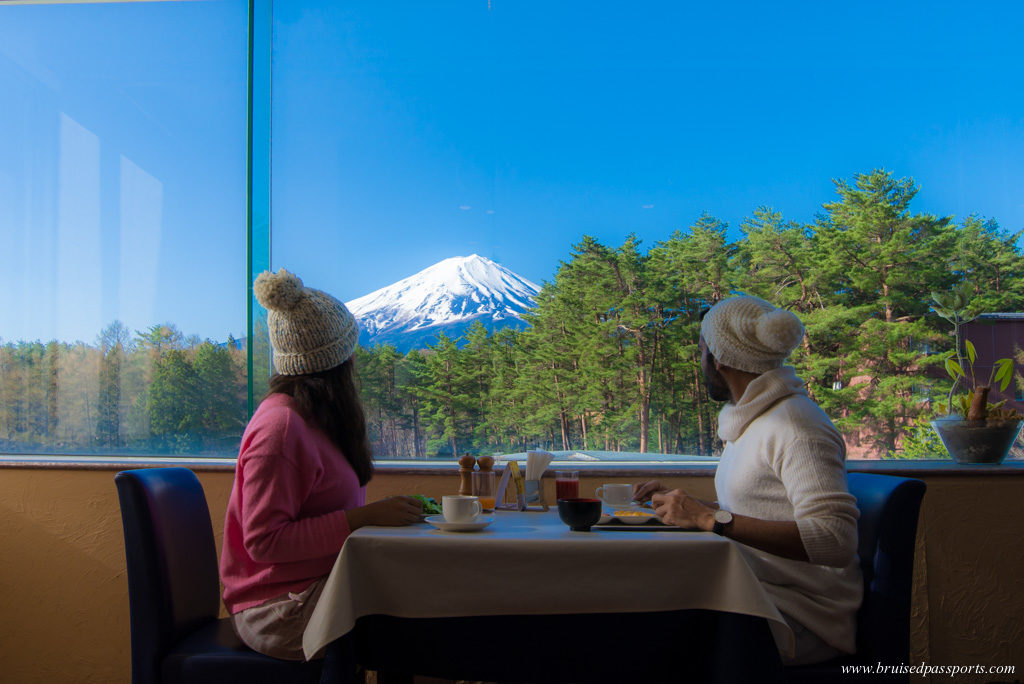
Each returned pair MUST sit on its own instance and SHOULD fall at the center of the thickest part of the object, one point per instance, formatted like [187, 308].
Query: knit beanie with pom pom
[750, 334]
[310, 330]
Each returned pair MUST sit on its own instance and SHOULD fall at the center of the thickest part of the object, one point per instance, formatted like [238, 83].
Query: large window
[529, 203]
[526, 204]
[123, 224]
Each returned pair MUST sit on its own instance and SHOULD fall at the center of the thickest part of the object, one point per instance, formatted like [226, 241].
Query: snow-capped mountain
[448, 297]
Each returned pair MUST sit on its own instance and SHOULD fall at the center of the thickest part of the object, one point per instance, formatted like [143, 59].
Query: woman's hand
[642, 491]
[682, 510]
[394, 511]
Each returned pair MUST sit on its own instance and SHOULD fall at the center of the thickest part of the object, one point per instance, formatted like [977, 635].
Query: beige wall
[65, 607]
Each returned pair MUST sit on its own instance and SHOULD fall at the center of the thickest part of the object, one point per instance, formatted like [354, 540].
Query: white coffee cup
[460, 509]
[616, 494]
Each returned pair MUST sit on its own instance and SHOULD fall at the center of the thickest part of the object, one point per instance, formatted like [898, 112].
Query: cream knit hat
[310, 330]
[750, 334]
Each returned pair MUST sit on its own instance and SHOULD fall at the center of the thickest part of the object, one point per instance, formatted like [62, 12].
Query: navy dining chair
[174, 590]
[889, 509]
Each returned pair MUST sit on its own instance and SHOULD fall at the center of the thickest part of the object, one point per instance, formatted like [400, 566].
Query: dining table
[527, 599]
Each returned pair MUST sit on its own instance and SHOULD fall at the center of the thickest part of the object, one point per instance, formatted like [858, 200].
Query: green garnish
[430, 506]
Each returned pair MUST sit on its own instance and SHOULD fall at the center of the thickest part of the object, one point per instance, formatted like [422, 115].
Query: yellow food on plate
[632, 514]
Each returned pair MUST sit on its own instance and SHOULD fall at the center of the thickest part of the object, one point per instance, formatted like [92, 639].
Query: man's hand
[394, 511]
[682, 510]
[642, 491]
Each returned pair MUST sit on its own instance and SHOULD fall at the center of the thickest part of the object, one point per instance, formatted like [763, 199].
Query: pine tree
[221, 407]
[504, 417]
[112, 342]
[174, 402]
[445, 395]
[411, 380]
[880, 261]
[696, 272]
[774, 261]
[377, 369]
[478, 365]
[108, 420]
[990, 262]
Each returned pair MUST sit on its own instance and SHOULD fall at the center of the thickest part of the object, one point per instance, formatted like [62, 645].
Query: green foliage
[920, 442]
[144, 394]
[108, 422]
[221, 398]
[430, 505]
[173, 400]
[1002, 373]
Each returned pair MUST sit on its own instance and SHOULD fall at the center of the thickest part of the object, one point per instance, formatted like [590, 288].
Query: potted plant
[977, 431]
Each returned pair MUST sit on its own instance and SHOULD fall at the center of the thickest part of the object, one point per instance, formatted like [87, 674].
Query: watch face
[723, 517]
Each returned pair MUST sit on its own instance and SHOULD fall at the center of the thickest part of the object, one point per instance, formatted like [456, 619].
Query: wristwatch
[722, 518]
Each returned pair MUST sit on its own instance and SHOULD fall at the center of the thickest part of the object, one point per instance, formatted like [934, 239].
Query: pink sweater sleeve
[279, 467]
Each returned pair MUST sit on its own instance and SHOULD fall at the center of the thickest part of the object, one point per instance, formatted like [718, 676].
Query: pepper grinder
[466, 464]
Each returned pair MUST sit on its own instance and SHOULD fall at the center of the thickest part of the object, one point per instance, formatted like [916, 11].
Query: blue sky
[606, 118]
[405, 133]
[122, 168]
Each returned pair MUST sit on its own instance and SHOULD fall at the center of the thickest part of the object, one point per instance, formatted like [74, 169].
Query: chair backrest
[889, 508]
[173, 583]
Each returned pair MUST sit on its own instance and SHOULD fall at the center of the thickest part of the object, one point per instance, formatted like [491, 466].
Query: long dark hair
[330, 401]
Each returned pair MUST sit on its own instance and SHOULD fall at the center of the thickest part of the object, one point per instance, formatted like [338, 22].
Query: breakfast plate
[629, 516]
[633, 520]
[440, 523]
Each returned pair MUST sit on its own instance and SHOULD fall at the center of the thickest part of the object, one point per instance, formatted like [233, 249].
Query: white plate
[440, 523]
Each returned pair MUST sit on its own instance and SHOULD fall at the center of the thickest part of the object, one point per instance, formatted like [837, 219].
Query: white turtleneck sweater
[784, 460]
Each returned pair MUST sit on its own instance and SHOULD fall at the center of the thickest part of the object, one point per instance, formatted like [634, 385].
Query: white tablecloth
[532, 564]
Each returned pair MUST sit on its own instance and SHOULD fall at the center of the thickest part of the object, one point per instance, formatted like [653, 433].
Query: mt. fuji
[446, 297]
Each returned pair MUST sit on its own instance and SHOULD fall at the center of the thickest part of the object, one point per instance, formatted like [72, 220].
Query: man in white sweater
[781, 482]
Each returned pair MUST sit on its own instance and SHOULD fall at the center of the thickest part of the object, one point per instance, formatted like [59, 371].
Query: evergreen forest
[150, 392]
[609, 361]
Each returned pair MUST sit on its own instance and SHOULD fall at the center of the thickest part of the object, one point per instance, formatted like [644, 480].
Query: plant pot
[977, 441]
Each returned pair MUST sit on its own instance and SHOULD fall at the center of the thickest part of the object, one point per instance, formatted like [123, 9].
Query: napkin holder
[513, 476]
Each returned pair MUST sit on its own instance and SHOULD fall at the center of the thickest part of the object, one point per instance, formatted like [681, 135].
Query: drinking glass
[483, 488]
[567, 484]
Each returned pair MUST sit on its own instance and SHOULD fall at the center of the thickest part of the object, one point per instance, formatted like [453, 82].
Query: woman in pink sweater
[303, 465]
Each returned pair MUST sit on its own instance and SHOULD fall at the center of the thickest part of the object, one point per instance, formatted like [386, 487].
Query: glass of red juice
[567, 484]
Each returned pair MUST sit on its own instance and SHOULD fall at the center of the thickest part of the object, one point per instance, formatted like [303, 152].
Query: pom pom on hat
[310, 331]
[750, 334]
[780, 330]
[281, 291]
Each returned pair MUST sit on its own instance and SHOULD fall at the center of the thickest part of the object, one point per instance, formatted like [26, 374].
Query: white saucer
[440, 523]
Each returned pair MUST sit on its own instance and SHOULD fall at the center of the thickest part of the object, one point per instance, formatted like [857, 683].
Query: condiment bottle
[466, 464]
